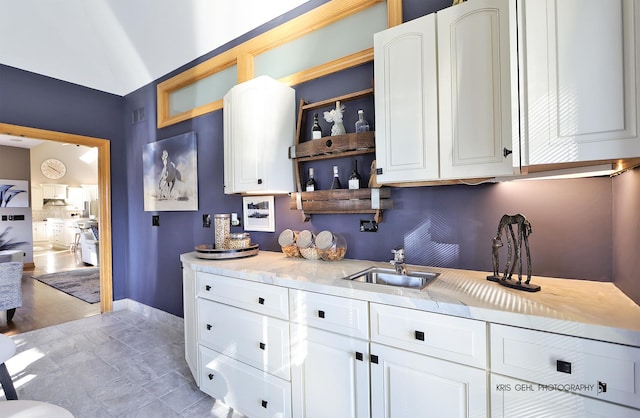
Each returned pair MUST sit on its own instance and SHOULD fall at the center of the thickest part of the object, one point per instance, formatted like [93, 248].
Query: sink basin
[389, 277]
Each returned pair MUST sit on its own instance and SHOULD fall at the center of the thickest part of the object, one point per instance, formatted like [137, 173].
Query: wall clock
[53, 168]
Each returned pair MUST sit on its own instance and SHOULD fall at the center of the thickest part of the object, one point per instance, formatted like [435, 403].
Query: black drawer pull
[264, 404]
[419, 335]
[210, 376]
[207, 288]
[261, 301]
[563, 366]
[359, 356]
[263, 346]
[374, 359]
[209, 326]
[321, 314]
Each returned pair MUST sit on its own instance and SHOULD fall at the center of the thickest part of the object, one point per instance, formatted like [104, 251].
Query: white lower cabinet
[330, 374]
[251, 391]
[241, 333]
[606, 371]
[406, 384]
[512, 398]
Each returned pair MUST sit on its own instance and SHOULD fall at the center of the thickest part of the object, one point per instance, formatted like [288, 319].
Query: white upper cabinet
[581, 72]
[406, 102]
[478, 89]
[259, 127]
[446, 92]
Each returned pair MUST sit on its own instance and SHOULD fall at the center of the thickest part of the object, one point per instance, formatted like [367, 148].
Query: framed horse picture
[170, 172]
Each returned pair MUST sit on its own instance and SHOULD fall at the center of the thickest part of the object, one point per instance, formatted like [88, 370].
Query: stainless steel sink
[389, 277]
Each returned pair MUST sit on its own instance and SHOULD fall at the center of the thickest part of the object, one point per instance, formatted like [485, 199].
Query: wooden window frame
[243, 55]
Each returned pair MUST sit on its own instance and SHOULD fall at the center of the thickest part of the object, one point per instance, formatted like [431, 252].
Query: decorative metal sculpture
[514, 253]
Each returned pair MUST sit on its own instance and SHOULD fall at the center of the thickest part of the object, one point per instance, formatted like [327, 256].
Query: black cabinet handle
[210, 376]
[374, 358]
[207, 288]
[419, 335]
[506, 152]
[264, 403]
[261, 301]
[260, 182]
[209, 327]
[263, 346]
[563, 366]
[359, 356]
[321, 314]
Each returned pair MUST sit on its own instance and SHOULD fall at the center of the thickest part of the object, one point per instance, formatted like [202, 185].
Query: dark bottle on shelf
[316, 131]
[335, 183]
[311, 185]
[354, 177]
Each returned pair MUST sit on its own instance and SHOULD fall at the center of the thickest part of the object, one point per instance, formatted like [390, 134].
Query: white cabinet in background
[39, 231]
[36, 198]
[76, 196]
[259, 128]
[54, 191]
[582, 69]
[445, 102]
[478, 89]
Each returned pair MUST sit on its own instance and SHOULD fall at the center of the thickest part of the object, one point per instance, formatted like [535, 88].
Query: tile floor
[119, 364]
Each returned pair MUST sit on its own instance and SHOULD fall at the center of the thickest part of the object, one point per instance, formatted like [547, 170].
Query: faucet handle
[398, 255]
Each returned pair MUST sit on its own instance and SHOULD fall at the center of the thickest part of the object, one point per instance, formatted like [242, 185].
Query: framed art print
[259, 213]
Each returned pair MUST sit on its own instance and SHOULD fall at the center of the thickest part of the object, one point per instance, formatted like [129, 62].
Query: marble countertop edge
[594, 310]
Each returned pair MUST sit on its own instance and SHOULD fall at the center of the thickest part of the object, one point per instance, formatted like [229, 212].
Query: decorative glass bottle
[361, 124]
[354, 178]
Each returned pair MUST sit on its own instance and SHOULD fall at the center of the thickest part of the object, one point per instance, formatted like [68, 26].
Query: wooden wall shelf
[335, 201]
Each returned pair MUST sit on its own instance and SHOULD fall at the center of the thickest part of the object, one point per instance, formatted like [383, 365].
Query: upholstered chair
[10, 287]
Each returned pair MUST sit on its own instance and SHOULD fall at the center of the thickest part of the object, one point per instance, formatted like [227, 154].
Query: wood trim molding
[243, 55]
[104, 197]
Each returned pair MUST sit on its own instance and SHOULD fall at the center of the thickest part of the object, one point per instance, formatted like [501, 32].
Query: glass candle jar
[331, 246]
[307, 246]
[221, 223]
[287, 241]
[239, 240]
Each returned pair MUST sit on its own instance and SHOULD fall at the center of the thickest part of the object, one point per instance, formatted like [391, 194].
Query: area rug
[82, 283]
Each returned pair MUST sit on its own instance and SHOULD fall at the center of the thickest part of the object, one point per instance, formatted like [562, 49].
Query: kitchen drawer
[446, 337]
[258, 297]
[509, 397]
[250, 391]
[598, 369]
[258, 340]
[332, 313]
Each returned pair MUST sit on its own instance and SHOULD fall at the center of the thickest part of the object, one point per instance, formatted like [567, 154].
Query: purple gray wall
[449, 226]
[626, 233]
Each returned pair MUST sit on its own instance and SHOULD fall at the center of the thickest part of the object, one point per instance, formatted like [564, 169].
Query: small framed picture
[258, 213]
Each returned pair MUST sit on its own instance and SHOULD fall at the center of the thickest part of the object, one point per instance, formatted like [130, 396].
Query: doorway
[104, 197]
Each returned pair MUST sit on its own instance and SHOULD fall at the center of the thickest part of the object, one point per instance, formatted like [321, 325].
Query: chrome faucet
[398, 261]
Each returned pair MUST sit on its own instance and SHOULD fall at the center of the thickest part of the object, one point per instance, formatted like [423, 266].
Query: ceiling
[118, 46]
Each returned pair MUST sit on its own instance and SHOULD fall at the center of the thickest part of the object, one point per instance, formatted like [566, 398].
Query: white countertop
[581, 308]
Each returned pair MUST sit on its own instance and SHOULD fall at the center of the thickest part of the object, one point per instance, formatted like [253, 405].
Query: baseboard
[147, 311]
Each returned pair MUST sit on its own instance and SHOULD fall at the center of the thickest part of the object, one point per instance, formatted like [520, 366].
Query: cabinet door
[581, 68]
[36, 198]
[403, 383]
[190, 320]
[244, 133]
[511, 398]
[478, 92]
[406, 102]
[330, 374]
[259, 127]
